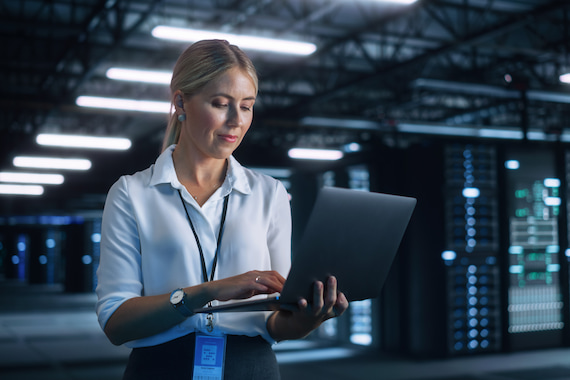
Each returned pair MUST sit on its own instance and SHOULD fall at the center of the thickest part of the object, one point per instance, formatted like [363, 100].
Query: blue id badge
[209, 357]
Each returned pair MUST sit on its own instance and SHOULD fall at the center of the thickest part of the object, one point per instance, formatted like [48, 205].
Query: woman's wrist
[200, 295]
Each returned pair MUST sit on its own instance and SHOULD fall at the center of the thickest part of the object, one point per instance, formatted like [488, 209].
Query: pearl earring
[182, 117]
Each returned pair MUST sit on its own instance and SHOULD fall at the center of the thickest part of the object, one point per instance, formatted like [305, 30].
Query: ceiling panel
[436, 62]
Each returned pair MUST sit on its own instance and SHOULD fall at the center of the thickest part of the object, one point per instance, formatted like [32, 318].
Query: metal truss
[434, 62]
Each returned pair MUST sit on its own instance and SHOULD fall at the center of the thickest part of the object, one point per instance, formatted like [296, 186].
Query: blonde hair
[197, 66]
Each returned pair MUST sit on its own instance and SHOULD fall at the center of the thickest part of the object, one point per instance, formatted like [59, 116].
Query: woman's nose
[235, 118]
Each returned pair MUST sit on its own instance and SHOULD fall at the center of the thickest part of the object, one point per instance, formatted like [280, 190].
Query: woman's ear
[179, 99]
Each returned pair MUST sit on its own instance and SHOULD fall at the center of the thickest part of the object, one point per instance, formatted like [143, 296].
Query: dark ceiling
[436, 62]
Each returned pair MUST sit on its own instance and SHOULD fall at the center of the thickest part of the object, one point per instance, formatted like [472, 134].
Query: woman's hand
[246, 285]
[327, 303]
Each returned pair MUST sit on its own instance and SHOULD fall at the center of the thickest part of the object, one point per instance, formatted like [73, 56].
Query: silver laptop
[353, 235]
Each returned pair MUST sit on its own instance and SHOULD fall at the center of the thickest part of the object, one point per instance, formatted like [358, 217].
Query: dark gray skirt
[246, 358]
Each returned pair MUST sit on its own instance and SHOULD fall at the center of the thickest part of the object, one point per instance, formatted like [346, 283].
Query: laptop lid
[353, 235]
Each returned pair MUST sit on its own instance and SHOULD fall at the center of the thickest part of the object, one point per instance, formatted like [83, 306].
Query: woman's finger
[270, 280]
[318, 301]
[331, 292]
[341, 304]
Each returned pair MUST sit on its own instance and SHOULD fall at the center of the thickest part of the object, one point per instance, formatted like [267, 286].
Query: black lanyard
[220, 233]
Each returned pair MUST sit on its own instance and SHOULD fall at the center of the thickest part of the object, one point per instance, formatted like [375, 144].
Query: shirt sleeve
[119, 273]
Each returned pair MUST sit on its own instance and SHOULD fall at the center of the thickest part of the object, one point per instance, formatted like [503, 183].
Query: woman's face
[218, 117]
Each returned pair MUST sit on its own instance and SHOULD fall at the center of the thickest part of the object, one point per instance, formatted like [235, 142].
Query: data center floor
[48, 335]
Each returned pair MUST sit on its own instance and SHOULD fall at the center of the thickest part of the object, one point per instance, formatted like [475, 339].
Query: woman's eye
[246, 108]
[220, 105]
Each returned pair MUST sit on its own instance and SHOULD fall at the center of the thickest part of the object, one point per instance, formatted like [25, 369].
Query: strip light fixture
[123, 104]
[36, 178]
[135, 75]
[315, 154]
[565, 78]
[52, 163]
[21, 189]
[80, 141]
[405, 2]
[243, 41]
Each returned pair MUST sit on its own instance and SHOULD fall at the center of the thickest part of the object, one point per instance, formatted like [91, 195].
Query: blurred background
[463, 104]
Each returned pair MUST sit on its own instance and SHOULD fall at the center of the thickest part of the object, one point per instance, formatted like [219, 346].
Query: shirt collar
[236, 178]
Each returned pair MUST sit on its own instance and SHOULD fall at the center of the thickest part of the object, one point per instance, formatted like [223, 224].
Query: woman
[197, 228]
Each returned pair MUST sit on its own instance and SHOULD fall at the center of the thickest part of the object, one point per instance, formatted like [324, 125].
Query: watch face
[177, 296]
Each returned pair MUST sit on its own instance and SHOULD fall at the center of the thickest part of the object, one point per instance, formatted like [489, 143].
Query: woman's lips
[229, 138]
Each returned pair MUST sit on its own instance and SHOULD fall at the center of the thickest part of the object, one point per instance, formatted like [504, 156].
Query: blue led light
[552, 201]
[96, 237]
[448, 255]
[50, 243]
[471, 192]
[551, 182]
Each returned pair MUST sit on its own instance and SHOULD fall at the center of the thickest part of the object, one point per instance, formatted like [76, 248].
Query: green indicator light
[521, 193]
[521, 212]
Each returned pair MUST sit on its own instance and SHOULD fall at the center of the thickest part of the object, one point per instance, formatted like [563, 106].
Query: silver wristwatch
[178, 302]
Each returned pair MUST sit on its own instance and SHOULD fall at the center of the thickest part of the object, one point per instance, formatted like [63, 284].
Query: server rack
[472, 248]
[535, 301]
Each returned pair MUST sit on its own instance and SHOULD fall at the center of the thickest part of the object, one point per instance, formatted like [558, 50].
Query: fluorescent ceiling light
[244, 42]
[51, 179]
[406, 2]
[78, 141]
[123, 104]
[52, 163]
[473, 131]
[339, 123]
[315, 154]
[21, 189]
[145, 76]
[565, 78]
[499, 92]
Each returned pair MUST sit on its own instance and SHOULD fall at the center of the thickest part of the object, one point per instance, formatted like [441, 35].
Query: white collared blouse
[148, 248]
